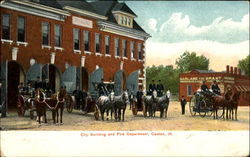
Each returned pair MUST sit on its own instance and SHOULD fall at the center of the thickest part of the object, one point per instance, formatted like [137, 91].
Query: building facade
[70, 43]
[190, 82]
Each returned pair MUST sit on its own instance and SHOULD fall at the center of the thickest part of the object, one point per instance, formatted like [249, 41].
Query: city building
[190, 82]
[70, 43]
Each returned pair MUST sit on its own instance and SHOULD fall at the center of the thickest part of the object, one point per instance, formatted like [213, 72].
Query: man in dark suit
[78, 97]
[110, 86]
[183, 103]
[215, 88]
[139, 95]
[102, 88]
[152, 87]
[160, 89]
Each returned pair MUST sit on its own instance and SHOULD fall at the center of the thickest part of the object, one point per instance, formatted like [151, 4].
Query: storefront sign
[200, 79]
[82, 22]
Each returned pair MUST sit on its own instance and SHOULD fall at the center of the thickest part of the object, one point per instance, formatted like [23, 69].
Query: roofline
[130, 32]
[42, 7]
[84, 12]
[125, 13]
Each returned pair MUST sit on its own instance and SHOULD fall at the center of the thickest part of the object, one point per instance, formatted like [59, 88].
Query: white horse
[148, 102]
[105, 103]
[162, 104]
[120, 104]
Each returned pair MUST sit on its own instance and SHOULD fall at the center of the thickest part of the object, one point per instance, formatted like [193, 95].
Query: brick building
[70, 43]
[190, 82]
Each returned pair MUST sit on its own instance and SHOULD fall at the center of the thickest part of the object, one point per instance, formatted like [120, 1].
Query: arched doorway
[52, 75]
[15, 76]
[85, 79]
[132, 82]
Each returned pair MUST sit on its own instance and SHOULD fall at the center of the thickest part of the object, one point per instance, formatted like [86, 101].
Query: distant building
[190, 82]
[70, 43]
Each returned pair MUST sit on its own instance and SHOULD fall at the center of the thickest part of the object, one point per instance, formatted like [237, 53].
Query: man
[204, 87]
[152, 87]
[183, 103]
[101, 88]
[215, 88]
[21, 88]
[160, 89]
[110, 86]
[84, 100]
[78, 97]
[139, 95]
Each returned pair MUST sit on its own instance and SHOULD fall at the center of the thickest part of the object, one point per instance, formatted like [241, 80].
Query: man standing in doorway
[78, 97]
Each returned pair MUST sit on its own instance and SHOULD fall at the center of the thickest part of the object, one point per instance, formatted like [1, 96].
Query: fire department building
[190, 82]
[70, 43]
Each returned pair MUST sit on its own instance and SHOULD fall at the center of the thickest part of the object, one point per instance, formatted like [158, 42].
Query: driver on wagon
[204, 89]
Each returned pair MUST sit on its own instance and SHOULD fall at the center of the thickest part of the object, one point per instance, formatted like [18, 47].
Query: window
[117, 47]
[121, 18]
[97, 43]
[76, 39]
[45, 33]
[6, 27]
[129, 22]
[140, 51]
[86, 41]
[125, 22]
[124, 48]
[107, 40]
[58, 35]
[132, 49]
[189, 90]
[21, 29]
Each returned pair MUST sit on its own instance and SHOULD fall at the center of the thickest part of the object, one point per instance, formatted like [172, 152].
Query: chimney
[231, 70]
[235, 70]
[239, 71]
[227, 68]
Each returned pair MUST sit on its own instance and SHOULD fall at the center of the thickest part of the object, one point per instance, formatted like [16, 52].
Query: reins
[51, 108]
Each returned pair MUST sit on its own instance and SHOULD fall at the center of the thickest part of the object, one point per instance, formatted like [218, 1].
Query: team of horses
[116, 105]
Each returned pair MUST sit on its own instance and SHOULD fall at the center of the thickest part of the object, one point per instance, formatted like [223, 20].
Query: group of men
[158, 87]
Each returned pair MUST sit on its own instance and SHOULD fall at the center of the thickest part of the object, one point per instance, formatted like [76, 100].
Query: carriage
[202, 105]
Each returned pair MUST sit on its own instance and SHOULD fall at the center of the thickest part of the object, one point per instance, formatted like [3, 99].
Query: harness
[51, 108]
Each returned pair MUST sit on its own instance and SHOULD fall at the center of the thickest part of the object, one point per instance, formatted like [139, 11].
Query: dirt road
[175, 121]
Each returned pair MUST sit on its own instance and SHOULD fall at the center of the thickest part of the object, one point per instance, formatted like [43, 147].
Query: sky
[219, 30]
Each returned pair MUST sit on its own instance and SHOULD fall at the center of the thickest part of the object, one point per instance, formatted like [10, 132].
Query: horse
[120, 104]
[54, 103]
[148, 103]
[220, 101]
[105, 103]
[162, 104]
[233, 105]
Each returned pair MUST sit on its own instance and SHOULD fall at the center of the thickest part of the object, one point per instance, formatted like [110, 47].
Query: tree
[189, 61]
[244, 65]
[167, 74]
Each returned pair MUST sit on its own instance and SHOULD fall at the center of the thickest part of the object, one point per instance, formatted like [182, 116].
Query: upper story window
[124, 19]
[97, 42]
[140, 51]
[76, 39]
[21, 29]
[86, 41]
[107, 42]
[6, 26]
[124, 48]
[132, 49]
[117, 47]
[58, 35]
[45, 33]
[129, 22]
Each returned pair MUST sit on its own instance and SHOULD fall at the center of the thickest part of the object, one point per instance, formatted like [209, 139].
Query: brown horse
[233, 105]
[221, 101]
[54, 103]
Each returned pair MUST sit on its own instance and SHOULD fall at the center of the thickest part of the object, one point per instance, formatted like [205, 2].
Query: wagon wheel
[202, 107]
[69, 104]
[192, 106]
[134, 109]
